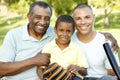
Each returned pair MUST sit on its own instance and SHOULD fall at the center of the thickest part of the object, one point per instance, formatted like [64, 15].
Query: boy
[63, 51]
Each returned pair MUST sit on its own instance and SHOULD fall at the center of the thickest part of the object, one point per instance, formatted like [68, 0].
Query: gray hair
[39, 3]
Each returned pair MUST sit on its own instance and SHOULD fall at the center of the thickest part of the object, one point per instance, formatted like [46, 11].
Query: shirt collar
[26, 36]
[70, 46]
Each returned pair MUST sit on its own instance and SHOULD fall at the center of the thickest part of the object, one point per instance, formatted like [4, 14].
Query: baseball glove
[56, 72]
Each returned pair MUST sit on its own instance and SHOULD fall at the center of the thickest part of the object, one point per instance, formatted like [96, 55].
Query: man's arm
[111, 72]
[110, 37]
[12, 68]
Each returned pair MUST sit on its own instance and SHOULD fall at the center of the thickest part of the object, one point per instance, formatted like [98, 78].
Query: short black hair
[39, 3]
[82, 6]
[65, 18]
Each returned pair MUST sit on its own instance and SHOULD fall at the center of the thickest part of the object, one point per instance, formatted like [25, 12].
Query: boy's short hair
[65, 18]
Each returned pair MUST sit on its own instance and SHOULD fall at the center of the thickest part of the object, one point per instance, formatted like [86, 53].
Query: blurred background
[13, 14]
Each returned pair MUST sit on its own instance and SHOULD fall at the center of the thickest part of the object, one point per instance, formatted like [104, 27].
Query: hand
[114, 44]
[42, 59]
[40, 72]
[73, 69]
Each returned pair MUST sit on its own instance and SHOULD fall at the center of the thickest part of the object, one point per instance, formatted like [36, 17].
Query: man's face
[84, 20]
[39, 20]
[64, 31]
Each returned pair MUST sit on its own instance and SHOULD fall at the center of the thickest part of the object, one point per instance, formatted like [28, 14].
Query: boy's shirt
[70, 55]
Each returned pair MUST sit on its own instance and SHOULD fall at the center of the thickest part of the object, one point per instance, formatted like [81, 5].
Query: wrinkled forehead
[43, 10]
[38, 8]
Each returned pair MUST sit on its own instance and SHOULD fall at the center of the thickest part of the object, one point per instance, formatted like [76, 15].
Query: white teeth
[83, 27]
[40, 27]
[64, 39]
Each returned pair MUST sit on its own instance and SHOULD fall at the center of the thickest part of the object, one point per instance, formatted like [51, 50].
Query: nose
[64, 33]
[42, 21]
[83, 21]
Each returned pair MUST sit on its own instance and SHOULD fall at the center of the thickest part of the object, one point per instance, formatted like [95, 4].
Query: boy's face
[64, 32]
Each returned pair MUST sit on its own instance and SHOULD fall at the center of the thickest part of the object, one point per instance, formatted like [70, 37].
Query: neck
[85, 38]
[62, 46]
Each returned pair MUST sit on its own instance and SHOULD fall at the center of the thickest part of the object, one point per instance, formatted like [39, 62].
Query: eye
[37, 17]
[47, 18]
[77, 18]
[61, 30]
[69, 31]
[88, 17]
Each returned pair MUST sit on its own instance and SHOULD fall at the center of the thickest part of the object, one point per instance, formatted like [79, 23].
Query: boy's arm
[77, 70]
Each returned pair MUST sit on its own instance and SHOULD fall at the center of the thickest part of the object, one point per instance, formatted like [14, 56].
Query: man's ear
[94, 17]
[29, 16]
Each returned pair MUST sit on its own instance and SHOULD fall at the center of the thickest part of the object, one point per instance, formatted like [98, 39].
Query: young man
[63, 50]
[91, 43]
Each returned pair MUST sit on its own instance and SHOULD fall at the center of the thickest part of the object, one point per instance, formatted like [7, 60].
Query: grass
[114, 27]
[8, 23]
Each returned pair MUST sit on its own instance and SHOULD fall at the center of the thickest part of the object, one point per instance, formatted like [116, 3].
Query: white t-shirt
[95, 55]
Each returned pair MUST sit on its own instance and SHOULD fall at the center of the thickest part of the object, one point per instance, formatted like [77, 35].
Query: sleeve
[117, 59]
[8, 48]
[107, 63]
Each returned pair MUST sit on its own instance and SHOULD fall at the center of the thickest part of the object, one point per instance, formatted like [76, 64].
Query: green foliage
[104, 3]
[19, 6]
[8, 23]
[114, 19]
[10, 2]
[81, 1]
[64, 6]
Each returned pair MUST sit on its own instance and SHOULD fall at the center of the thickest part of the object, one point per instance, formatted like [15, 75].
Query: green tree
[59, 6]
[64, 6]
[108, 6]
[19, 6]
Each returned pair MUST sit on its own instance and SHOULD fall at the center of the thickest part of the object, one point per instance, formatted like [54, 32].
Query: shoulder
[74, 45]
[74, 37]
[100, 36]
[14, 32]
[50, 44]
[50, 31]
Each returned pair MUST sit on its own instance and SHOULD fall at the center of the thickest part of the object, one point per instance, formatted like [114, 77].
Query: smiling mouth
[83, 27]
[64, 39]
[40, 27]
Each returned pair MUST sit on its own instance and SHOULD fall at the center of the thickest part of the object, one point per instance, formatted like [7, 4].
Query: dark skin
[110, 37]
[77, 70]
[39, 21]
[12, 68]
[64, 29]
